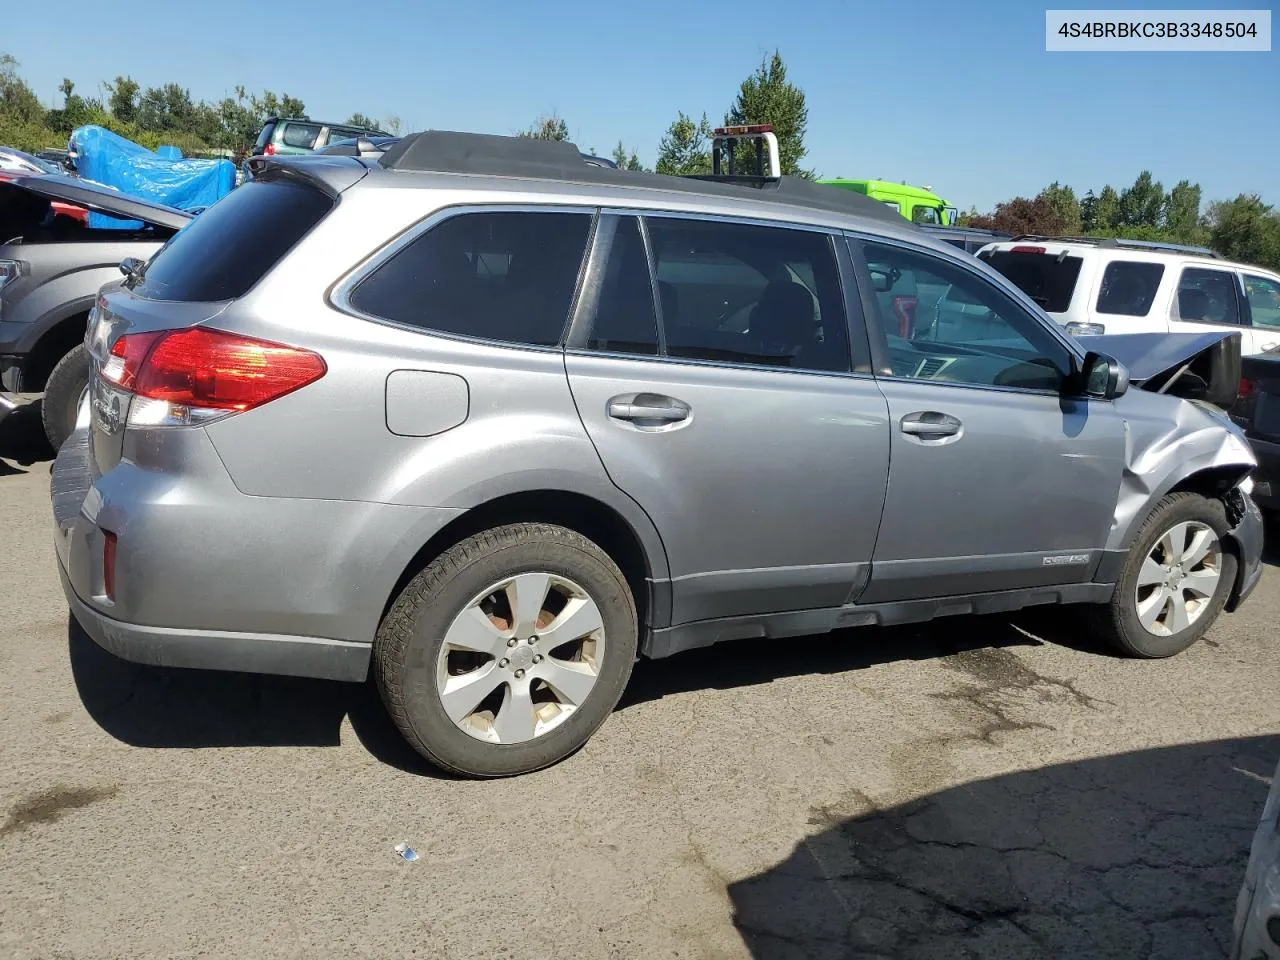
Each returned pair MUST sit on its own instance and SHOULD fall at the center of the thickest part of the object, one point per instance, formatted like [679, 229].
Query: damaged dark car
[51, 268]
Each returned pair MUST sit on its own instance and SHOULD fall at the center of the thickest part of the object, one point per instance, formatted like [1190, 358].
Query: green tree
[18, 102]
[67, 87]
[1106, 211]
[547, 128]
[360, 120]
[685, 148]
[122, 98]
[1245, 229]
[166, 109]
[1141, 205]
[1182, 210]
[625, 160]
[1064, 203]
[393, 125]
[768, 97]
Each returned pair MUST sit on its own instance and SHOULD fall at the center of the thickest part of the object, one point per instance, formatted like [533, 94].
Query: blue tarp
[163, 177]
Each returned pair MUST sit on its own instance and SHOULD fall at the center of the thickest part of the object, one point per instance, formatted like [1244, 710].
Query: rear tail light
[195, 375]
[1246, 388]
[269, 150]
[109, 565]
[904, 311]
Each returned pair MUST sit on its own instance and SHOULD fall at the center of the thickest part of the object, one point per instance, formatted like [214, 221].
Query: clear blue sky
[958, 95]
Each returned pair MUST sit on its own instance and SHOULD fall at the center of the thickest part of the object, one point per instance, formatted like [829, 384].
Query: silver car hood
[1148, 355]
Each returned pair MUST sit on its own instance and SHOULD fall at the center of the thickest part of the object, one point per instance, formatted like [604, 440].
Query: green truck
[917, 204]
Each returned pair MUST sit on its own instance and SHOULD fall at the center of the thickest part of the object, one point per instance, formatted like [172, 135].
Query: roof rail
[441, 151]
[1124, 242]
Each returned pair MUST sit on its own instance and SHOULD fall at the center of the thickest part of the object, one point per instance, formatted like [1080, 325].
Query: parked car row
[586, 415]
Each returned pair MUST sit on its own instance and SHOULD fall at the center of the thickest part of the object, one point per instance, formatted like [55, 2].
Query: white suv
[1093, 286]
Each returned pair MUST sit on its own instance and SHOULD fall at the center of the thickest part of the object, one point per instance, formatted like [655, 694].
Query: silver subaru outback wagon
[493, 423]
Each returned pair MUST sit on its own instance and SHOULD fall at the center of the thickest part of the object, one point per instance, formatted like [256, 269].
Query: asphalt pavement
[977, 787]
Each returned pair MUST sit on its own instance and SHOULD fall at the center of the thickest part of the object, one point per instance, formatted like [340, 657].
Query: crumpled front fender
[1167, 443]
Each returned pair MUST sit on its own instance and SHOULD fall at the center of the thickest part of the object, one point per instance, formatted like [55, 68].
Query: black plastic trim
[705, 633]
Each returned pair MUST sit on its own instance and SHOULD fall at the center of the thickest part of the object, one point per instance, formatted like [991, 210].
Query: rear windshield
[1047, 279]
[264, 136]
[223, 252]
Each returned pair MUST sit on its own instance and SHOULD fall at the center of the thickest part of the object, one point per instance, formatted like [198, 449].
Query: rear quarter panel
[331, 440]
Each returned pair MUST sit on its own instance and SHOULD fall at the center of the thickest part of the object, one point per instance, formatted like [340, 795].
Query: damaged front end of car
[1178, 437]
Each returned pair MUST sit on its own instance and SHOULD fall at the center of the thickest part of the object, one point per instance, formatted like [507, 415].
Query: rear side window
[495, 276]
[223, 252]
[301, 135]
[750, 294]
[1129, 287]
[1049, 280]
[1207, 296]
[625, 318]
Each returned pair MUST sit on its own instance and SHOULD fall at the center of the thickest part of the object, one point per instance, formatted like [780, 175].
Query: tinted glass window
[1207, 296]
[1264, 300]
[231, 246]
[496, 276]
[263, 137]
[625, 319]
[1048, 280]
[946, 324]
[1129, 287]
[300, 135]
[924, 215]
[750, 294]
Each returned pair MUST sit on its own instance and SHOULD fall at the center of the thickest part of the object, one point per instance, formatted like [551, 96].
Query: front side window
[1129, 287]
[1207, 296]
[506, 276]
[947, 324]
[1264, 300]
[925, 215]
[744, 293]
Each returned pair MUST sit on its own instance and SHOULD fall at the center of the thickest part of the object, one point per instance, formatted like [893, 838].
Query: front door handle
[930, 425]
[648, 409]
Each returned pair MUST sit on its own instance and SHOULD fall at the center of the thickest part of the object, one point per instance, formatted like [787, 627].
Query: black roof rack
[442, 151]
[1124, 242]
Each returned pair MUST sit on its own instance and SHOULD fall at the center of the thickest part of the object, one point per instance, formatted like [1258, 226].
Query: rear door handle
[648, 409]
[930, 425]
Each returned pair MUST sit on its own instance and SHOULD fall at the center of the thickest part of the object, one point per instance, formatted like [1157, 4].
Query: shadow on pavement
[22, 439]
[1137, 855]
[161, 707]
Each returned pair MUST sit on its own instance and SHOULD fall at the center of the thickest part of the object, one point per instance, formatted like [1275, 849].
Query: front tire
[60, 405]
[508, 651]
[1175, 581]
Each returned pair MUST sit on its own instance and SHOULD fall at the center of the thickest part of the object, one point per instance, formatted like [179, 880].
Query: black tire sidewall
[61, 400]
[1135, 638]
[453, 748]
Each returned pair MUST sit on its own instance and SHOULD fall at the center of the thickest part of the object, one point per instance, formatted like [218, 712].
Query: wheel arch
[58, 339]
[638, 552]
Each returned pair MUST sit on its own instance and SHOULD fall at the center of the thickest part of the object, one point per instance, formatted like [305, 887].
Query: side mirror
[131, 267]
[1103, 377]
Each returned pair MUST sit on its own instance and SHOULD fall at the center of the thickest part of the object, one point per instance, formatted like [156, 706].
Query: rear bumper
[209, 578]
[218, 650]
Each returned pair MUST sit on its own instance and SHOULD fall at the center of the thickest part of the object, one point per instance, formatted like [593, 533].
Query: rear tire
[61, 401]
[1177, 585]
[530, 713]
